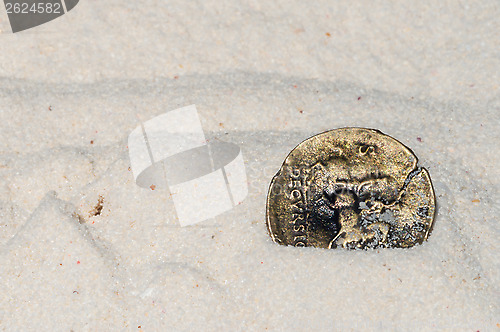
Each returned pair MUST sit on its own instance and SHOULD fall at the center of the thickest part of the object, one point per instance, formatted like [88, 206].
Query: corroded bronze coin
[353, 188]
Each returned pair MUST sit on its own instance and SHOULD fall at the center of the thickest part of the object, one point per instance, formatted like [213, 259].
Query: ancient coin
[352, 188]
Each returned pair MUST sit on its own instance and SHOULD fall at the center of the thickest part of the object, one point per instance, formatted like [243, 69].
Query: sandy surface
[264, 76]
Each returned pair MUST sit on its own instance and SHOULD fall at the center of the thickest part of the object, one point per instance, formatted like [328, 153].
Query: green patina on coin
[351, 188]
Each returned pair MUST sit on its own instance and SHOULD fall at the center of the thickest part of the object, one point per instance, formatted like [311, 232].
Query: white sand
[264, 76]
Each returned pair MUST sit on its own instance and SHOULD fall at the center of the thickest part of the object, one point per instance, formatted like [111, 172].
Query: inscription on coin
[352, 188]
